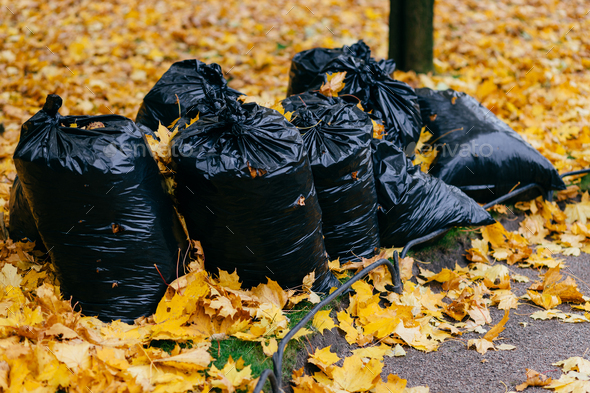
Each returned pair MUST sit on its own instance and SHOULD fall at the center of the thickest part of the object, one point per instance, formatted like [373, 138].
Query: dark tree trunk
[411, 38]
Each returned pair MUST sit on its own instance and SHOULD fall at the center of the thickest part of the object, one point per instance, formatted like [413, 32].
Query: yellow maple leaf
[495, 234]
[481, 345]
[232, 375]
[61, 331]
[322, 321]
[479, 251]
[394, 384]
[347, 325]
[569, 384]
[575, 363]
[270, 347]
[355, 375]
[544, 300]
[191, 360]
[578, 211]
[271, 292]
[335, 83]
[374, 352]
[9, 276]
[231, 281]
[323, 358]
[76, 356]
[505, 299]
[114, 357]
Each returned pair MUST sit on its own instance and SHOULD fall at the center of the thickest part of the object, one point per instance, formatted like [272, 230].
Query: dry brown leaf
[533, 378]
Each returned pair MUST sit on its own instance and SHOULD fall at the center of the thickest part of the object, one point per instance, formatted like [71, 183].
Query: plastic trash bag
[21, 224]
[392, 102]
[478, 152]
[413, 203]
[338, 142]
[309, 100]
[182, 87]
[98, 201]
[307, 67]
[245, 188]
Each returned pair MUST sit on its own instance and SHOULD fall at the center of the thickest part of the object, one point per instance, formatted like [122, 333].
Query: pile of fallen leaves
[576, 377]
[45, 345]
[525, 61]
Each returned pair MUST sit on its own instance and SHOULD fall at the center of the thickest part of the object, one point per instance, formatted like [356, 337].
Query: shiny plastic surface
[307, 68]
[392, 102]
[21, 224]
[414, 203]
[246, 190]
[338, 142]
[478, 152]
[182, 87]
[99, 204]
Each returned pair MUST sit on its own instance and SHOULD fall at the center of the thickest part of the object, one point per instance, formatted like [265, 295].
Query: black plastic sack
[182, 87]
[413, 203]
[478, 152]
[392, 102]
[309, 100]
[338, 143]
[246, 190]
[307, 67]
[21, 224]
[98, 201]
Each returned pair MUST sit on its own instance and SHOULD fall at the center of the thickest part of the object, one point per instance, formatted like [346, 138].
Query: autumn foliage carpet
[528, 61]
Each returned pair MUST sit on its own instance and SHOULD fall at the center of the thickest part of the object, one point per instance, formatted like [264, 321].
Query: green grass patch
[432, 251]
[169, 345]
[584, 183]
[251, 351]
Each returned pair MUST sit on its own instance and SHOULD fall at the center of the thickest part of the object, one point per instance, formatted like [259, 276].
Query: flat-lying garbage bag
[98, 200]
[478, 152]
[246, 190]
[413, 203]
[392, 102]
[21, 224]
[338, 142]
[182, 87]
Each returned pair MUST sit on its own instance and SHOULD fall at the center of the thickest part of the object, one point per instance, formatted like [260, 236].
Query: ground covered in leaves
[525, 60]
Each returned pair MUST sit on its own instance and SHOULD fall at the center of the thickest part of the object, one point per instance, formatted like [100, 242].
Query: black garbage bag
[313, 99]
[310, 100]
[182, 87]
[391, 102]
[413, 203]
[338, 143]
[307, 67]
[478, 152]
[245, 188]
[21, 224]
[98, 201]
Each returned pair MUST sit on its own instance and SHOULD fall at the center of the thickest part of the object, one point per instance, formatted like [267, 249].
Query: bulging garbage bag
[21, 224]
[338, 141]
[245, 187]
[414, 203]
[182, 87]
[98, 200]
[477, 152]
[393, 103]
[307, 67]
